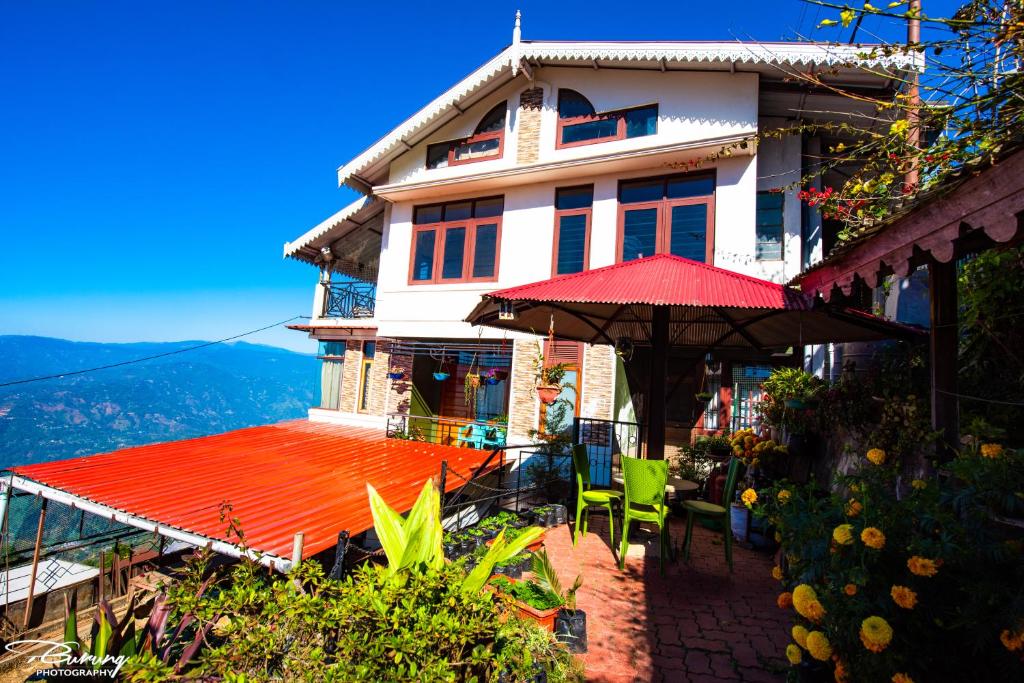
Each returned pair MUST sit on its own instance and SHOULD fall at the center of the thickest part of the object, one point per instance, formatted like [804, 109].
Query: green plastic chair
[587, 497]
[645, 501]
[719, 513]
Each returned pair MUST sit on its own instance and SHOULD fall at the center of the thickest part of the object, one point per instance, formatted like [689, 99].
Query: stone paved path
[697, 623]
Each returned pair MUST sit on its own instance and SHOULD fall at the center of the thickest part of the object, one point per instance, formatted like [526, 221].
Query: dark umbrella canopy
[668, 301]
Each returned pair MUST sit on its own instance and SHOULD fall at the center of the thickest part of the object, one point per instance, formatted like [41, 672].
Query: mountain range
[188, 394]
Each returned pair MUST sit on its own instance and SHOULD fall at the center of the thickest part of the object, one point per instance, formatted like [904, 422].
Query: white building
[551, 158]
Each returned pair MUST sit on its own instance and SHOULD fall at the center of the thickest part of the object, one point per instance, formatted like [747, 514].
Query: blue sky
[157, 155]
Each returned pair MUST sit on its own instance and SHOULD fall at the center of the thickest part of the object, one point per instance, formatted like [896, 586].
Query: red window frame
[469, 249]
[664, 206]
[587, 211]
[620, 127]
[498, 135]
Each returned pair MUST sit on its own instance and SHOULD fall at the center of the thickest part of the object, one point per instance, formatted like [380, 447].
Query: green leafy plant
[545, 575]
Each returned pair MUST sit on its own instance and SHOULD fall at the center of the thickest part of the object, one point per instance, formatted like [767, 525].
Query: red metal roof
[280, 479]
[659, 280]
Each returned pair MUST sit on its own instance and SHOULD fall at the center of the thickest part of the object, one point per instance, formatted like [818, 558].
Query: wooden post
[35, 566]
[656, 383]
[913, 92]
[944, 346]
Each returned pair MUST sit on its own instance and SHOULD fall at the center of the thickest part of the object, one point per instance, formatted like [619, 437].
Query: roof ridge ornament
[517, 35]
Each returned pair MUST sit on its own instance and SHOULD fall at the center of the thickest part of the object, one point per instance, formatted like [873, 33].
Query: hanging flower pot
[441, 376]
[499, 375]
[473, 381]
[704, 396]
[396, 373]
[548, 394]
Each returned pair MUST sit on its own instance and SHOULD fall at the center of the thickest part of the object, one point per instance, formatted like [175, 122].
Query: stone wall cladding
[350, 377]
[378, 386]
[400, 391]
[528, 143]
[524, 405]
[598, 397]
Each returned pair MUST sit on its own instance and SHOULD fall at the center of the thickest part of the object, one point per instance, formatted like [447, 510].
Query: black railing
[349, 299]
[448, 431]
[606, 440]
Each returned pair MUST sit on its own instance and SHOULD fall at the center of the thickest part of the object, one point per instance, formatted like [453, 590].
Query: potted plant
[549, 379]
[491, 378]
[704, 396]
[532, 600]
[441, 376]
[570, 623]
[396, 373]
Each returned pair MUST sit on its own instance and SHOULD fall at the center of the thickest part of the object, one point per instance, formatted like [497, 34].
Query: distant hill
[219, 388]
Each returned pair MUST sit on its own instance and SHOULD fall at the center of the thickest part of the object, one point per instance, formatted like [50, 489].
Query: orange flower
[876, 455]
[902, 678]
[873, 538]
[853, 508]
[991, 450]
[777, 573]
[785, 600]
[904, 597]
[850, 589]
[842, 675]
[1011, 641]
[922, 566]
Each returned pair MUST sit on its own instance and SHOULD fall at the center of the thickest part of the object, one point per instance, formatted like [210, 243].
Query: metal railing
[448, 431]
[349, 299]
[605, 441]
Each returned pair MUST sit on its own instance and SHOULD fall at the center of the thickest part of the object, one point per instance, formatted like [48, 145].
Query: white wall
[779, 166]
[692, 106]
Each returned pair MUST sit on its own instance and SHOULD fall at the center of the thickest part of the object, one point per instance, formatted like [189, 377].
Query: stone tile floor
[697, 623]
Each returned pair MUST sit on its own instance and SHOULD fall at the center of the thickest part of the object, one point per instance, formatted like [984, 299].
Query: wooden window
[456, 242]
[770, 227]
[366, 367]
[579, 124]
[558, 417]
[669, 215]
[486, 142]
[571, 252]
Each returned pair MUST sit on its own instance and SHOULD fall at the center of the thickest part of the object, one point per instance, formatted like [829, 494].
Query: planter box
[545, 618]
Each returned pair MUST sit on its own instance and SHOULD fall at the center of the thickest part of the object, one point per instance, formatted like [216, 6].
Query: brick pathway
[697, 623]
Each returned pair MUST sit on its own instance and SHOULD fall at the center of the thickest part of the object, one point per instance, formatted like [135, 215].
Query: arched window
[579, 124]
[487, 142]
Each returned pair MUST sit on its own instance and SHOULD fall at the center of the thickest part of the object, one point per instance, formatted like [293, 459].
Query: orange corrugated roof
[280, 479]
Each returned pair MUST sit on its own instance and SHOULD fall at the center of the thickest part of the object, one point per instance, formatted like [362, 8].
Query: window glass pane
[330, 384]
[689, 226]
[681, 188]
[454, 248]
[641, 191]
[476, 150]
[485, 250]
[493, 121]
[572, 243]
[369, 348]
[574, 197]
[332, 349]
[458, 212]
[769, 225]
[427, 214]
[437, 155]
[571, 103]
[591, 130]
[364, 387]
[640, 122]
[423, 259]
[639, 233]
[489, 208]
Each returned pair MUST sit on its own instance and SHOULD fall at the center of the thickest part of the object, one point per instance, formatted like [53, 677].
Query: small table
[674, 486]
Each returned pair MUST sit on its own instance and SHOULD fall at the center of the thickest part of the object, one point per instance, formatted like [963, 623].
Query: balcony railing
[449, 431]
[349, 299]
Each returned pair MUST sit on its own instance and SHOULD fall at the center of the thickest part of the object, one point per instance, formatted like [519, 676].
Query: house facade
[552, 158]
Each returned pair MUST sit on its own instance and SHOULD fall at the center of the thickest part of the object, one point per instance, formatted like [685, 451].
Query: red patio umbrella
[669, 301]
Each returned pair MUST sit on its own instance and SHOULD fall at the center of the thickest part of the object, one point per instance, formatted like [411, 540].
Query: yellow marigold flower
[784, 496]
[902, 678]
[873, 538]
[850, 589]
[922, 566]
[803, 594]
[876, 455]
[815, 611]
[777, 573]
[749, 497]
[818, 646]
[793, 654]
[799, 634]
[843, 534]
[778, 537]
[1011, 641]
[853, 508]
[785, 600]
[991, 450]
[919, 484]
[875, 633]
[904, 597]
